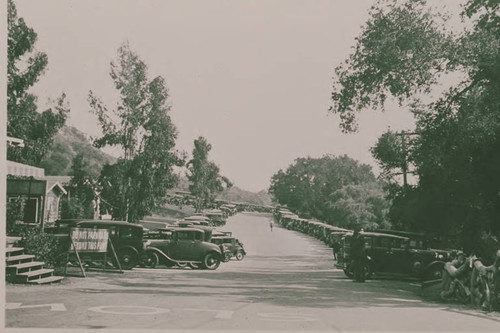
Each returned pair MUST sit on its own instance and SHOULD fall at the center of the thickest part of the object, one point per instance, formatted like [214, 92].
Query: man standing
[358, 255]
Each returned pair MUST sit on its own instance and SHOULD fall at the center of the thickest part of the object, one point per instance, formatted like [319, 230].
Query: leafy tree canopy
[141, 126]
[204, 175]
[24, 67]
[403, 52]
[337, 190]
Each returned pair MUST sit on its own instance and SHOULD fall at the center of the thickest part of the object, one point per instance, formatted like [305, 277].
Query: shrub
[47, 248]
[75, 209]
[15, 212]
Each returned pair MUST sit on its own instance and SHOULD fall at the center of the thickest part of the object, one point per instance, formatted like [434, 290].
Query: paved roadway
[287, 283]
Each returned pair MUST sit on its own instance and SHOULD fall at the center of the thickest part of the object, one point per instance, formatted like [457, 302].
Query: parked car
[234, 246]
[126, 238]
[187, 246]
[164, 233]
[216, 216]
[392, 254]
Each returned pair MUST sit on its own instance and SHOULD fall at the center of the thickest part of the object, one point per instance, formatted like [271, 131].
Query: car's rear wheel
[434, 273]
[150, 260]
[240, 255]
[128, 259]
[211, 261]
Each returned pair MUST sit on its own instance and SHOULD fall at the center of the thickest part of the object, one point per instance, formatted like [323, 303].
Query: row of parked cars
[388, 251]
[192, 242]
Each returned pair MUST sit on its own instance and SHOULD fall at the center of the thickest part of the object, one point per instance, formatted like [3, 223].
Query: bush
[15, 212]
[47, 248]
[75, 209]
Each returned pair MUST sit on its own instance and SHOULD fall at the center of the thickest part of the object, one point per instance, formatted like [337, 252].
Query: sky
[253, 77]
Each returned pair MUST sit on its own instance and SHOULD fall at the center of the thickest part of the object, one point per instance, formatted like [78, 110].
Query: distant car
[234, 246]
[392, 254]
[187, 246]
[216, 216]
[126, 238]
[198, 219]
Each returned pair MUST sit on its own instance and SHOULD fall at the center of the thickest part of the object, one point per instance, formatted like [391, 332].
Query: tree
[141, 126]
[363, 206]
[329, 187]
[403, 51]
[204, 175]
[23, 71]
[80, 201]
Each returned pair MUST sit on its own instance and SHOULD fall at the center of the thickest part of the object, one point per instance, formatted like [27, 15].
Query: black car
[234, 246]
[126, 238]
[392, 254]
[187, 246]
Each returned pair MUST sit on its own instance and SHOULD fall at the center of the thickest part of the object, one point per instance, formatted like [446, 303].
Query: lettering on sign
[89, 240]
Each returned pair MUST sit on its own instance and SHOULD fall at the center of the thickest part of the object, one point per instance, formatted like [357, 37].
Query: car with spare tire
[188, 246]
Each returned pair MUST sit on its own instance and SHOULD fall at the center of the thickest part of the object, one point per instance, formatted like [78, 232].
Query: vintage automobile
[187, 246]
[163, 233]
[234, 246]
[216, 216]
[198, 219]
[126, 238]
[392, 254]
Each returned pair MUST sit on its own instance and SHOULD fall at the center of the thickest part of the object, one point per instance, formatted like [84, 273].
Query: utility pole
[404, 166]
[404, 163]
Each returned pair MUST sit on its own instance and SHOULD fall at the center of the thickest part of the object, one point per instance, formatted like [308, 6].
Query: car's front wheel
[211, 261]
[240, 255]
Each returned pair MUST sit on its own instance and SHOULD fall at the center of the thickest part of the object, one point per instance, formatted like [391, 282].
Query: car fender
[218, 253]
[128, 247]
[154, 250]
[433, 264]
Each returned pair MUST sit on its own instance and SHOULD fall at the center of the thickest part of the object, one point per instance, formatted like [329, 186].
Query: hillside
[70, 141]
[233, 194]
[67, 144]
[236, 194]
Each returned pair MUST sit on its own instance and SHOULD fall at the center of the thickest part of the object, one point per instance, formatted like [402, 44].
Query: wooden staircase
[21, 268]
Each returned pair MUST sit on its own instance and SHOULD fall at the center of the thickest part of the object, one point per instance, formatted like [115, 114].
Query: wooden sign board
[89, 240]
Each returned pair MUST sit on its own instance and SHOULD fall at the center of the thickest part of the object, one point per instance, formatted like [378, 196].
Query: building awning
[19, 169]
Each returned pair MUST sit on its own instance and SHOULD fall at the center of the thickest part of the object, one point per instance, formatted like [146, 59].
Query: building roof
[19, 169]
[59, 179]
[57, 182]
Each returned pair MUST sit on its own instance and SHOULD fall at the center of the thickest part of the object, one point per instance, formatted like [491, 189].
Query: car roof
[197, 217]
[379, 234]
[187, 229]
[105, 222]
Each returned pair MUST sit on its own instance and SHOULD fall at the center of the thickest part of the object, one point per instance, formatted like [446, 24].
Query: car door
[400, 254]
[380, 254]
[185, 244]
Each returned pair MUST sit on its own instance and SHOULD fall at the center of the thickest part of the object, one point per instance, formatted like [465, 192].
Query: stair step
[26, 265]
[38, 272]
[10, 250]
[46, 280]
[20, 258]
